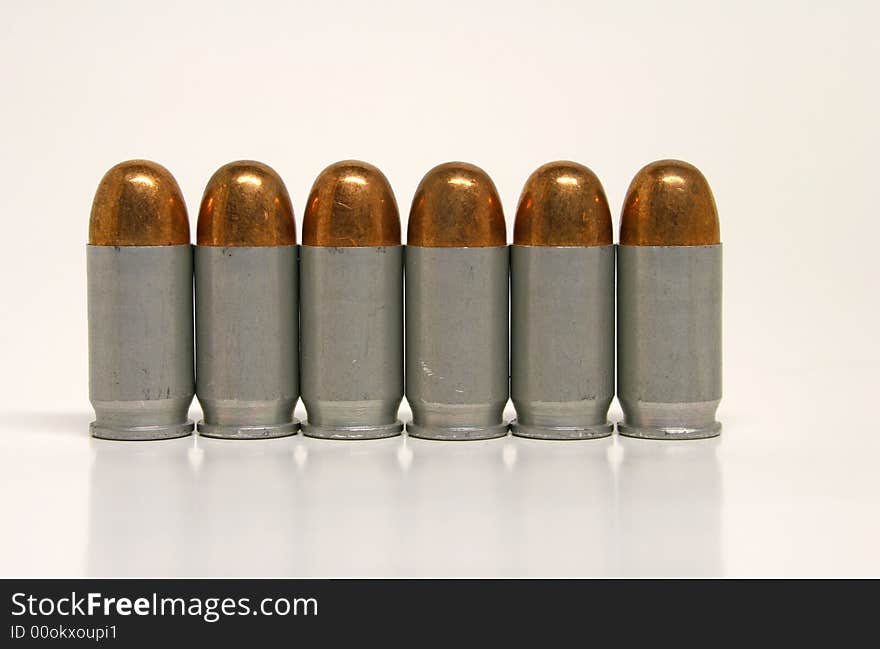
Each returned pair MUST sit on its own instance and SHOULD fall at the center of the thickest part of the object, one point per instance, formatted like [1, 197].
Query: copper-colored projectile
[456, 206]
[669, 203]
[563, 204]
[138, 203]
[351, 205]
[246, 204]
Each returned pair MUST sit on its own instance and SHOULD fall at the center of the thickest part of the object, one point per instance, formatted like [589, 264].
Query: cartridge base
[457, 433]
[352, 432]
[648, 420]
[561, 432]
[670, 432]
[231, 431]
[140, 433]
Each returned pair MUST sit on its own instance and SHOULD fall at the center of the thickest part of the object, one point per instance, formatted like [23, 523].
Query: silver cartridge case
[247, 340]
[669, 340]
[562, 340]
[352, 340]
[140, 340]
[456, 341]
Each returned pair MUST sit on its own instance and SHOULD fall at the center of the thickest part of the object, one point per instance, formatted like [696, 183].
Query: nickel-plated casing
[247, 340]
[562, 340]
[669, 340]
[352, 340]
[456, 341]
[140, 340]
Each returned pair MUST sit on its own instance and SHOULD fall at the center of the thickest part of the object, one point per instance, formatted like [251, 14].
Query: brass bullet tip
[246, 204]
[563, 204]
[669, 203]
[138, 203]
[456, 206]
[351, 205]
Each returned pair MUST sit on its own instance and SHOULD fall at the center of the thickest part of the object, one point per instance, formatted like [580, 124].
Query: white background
[776, 102]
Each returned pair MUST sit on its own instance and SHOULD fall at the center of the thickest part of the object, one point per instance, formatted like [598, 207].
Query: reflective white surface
[780, 493]
[771, 100]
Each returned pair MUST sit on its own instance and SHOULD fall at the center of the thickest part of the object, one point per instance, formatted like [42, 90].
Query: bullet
[562, 306]
[669, 305]
[457, 265]
[139, 266]
[352, 305]
[247, 338]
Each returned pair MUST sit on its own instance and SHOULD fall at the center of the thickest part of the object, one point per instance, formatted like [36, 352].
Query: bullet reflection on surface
[247, 500]
[349, 519]
[141, 514]
[456, 509]
[669, 508]
[564, 495]
[405, 507]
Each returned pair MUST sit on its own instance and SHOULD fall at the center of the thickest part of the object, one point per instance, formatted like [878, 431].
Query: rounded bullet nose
[563, 204]
[138, 203]
[456, 206]
[351, 205]
[669, 203]
[246, 204]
